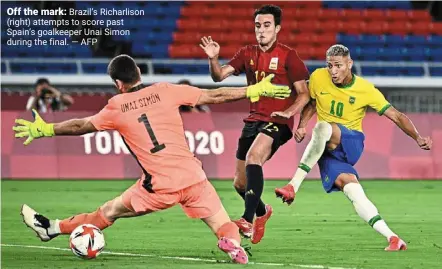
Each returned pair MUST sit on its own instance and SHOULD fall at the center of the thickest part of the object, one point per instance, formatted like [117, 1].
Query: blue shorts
[341, 159]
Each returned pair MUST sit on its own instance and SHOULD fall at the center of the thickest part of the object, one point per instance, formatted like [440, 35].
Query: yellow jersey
[344, 105]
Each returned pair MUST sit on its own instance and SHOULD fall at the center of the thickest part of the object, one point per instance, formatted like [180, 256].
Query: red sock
[95, 218]
[229, 230]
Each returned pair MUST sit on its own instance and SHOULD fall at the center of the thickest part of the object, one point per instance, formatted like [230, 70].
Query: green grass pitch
[318, 230]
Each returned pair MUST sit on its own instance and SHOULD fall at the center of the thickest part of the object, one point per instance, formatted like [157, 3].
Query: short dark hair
[338, 50]
[41, 81]
[270, 9]
[184, 81]
[124, 68]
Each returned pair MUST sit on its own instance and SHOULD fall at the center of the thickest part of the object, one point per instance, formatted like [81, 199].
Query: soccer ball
[87, 241]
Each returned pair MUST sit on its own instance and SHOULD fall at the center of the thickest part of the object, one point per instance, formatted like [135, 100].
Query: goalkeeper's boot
[286, 193]
[245, 227]
[39, 223]
[259, 224]
[396, 244]
[234, 250]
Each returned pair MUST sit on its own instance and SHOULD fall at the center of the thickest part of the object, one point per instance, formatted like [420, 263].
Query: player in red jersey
[149, 121]
[262, 135]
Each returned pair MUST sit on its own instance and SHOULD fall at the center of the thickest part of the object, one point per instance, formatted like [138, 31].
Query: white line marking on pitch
[186, 258]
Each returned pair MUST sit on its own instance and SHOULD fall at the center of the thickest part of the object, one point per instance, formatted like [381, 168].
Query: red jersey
[280, 60]
[151, 127]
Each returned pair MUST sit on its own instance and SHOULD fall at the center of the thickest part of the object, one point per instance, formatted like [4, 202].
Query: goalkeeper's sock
[231, 231]
[313, 152]
[255, 186]
[54, 227]
[366, 209]
[96, 218]
[260, 210]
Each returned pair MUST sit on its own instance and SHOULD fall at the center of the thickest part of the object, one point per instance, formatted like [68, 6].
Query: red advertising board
[213, 138]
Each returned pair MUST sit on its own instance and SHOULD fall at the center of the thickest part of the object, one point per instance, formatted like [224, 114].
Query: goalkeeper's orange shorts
[198, 201]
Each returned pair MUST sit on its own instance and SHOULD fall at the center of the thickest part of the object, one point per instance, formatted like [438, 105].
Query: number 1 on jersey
[157, 146]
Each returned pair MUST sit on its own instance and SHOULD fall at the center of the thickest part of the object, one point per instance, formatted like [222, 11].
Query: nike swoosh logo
[323, 93]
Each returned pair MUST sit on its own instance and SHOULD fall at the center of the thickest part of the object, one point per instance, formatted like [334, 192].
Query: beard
[263, 41]
[266, 41]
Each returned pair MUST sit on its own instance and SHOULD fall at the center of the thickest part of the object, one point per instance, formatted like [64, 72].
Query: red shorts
[198, 201]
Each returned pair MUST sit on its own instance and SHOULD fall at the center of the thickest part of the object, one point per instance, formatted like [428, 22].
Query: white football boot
[37, 222]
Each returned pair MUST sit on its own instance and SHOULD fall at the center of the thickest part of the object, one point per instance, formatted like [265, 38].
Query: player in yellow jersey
[340, 99]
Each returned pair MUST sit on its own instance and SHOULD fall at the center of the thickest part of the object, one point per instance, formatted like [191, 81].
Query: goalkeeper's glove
[267, 89]
[32, 130]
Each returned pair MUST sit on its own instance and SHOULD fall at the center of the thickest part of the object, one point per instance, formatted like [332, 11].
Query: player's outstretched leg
[229, 239]
[257, 155]
[313, 152]
[42, 226]
[263, 212]
[239, 183]
[368, 211]
[103, 217]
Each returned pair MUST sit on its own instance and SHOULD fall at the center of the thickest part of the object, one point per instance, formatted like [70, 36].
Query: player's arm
[298, 75]
[222, 95]
[307, 113]
[39, 128]
[297, 72]
[74, 127]
[229, 94]
[103, 120]
[302, 98]
[218, 72]
[378, 102]
[407, 126]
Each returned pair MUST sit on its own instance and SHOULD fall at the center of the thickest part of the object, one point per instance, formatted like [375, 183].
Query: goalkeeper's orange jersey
[150, 124]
